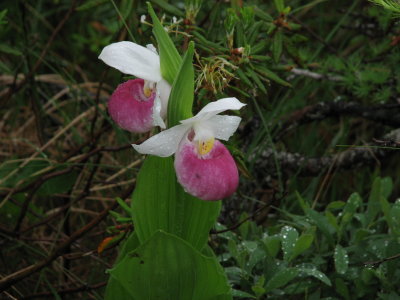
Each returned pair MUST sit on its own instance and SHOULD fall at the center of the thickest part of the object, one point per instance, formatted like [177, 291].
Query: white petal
[157, 119]
[203, 131]
[152, 48]
[224, 126]
[214, 108]
[164, 90]
[130, 58]
[165, 143]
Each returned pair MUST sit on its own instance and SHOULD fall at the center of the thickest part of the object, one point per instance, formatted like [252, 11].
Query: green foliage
[181, 271]
[170, 59]
[393, 5]
[349, 250]
[332, 235]
[182, 92]
[159, 202]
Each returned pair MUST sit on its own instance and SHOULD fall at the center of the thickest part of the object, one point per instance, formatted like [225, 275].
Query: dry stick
[69, 169]
[324, 182]
[81, 288]
[11, 279]
[31, 92]
[84, 193]
[15, 88]
[378, 262]
[254, 214]
[49, 109]
[387, 114]
[354, 156]
[67, 222]
[61, 132]
[97, 99]
[123, 170]
[40, 182]
[237, 225]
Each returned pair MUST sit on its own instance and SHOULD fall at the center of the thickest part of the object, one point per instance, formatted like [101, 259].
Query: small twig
[378, 262]
[16, 87]
[44, 147]
[253, 215]
[237, 225]
[13, 278]
[313, 75]
[387, 114]
[61, 292]
[311, 166]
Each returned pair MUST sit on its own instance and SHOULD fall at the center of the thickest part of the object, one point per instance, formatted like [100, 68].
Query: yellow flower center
[204, 147]
[147, 91]
[148, 88]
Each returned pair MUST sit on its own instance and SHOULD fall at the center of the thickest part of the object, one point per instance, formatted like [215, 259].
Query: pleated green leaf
[182, 93]
[114, 289]
[170, 60]
[166, 267]
[159, 202]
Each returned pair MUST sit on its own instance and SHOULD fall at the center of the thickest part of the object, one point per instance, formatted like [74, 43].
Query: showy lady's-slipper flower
[203, 165]
[139, 104]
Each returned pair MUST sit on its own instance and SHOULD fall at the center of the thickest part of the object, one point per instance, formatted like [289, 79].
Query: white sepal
[164, 90]
[164, 143]
[157, 119]
[224, 126]
[132, 59]
[152, 48]
[214, 108]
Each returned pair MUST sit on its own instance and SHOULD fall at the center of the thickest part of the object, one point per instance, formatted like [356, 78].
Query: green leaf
[280, 6]
[241, 294]
[166, 267]
[182, 93]
[168, 7]
[272, 245]
[302, 244]
[170, 59]
[395, 217]
[114, 289]
[9, 50]
[336, 205]
[392, 214]
[289, 237]
[242, 76]
[256, 79]
[3, 14]
[277, 45]
[317, 274]
[373, 201]
[59, 184]
[262, 14]
[90, 4]
[322, 223]
[332, 220]
[353, 203]
[341, 259]
[386, 186]
[341, 288]
[271, 75]
[258, 288]
[280, 279]
[124, 206]
[392, 5]
[159, 202]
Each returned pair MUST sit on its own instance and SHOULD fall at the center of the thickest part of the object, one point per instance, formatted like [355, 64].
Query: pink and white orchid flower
[203, 165]
[137, 105]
